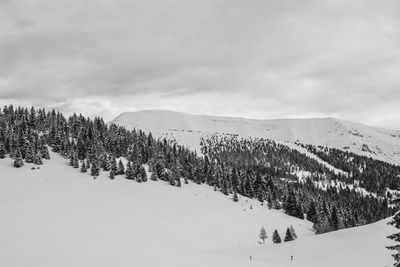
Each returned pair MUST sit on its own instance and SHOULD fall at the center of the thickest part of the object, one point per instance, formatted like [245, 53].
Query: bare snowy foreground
[57, 216]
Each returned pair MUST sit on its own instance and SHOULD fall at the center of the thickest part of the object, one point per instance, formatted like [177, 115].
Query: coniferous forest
[256, 168]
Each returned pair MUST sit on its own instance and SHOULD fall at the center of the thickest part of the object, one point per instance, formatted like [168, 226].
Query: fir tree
[129, 171]
[121, 168]
[38, 158]
[154, 176]
[263, 235]
[95, 170]
[112, 175]
[235, 196]
[83, 167]
[2, 151]
[294, 235]
[334, 219]
[276, 238]
[288, 236]
[312, 212]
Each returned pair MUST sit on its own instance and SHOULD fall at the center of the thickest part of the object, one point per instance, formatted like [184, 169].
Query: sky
[258, 59]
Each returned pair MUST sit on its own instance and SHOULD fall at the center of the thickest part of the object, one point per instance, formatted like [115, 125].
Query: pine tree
[2, 151]
[121, 168]
[293, 232]
[395, 237]
[83, 167]
[312, 212]
[143, 174]
[95, 170]
[38, 158]
[129, 171]
[76, 162]
[334, 218]
[235, 196]
[154, 176]
[288, 236]
[263, 235]
[112, 175]
[276, 238]
[114, 166]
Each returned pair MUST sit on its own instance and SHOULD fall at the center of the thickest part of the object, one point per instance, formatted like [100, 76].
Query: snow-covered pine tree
[288, 236]
[38, 158]
[154, 176]
[94, 170]
[263, 234]
[293, 232]
[235, 196]
[2, 151]
[129, 171]
[143, 174]
[121, 168]
[312, 212]
[111, 175]
[83, 167]
[114, 166]
[276, 238]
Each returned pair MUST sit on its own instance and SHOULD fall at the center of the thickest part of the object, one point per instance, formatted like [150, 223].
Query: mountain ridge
[187, 129]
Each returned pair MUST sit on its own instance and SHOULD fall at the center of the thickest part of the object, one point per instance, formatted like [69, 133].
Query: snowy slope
[188, 129]
[57, 216]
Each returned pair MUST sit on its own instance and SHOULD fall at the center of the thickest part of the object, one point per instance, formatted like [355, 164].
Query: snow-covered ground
[57, 216]
[187, 129]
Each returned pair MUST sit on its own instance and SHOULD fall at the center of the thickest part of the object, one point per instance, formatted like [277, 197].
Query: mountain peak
[187, 129]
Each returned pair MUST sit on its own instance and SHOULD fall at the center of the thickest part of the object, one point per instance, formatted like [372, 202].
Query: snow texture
[57, 216]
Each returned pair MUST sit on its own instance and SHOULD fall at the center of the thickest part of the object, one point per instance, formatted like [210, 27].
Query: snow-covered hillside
[57, 216]
[188, 129]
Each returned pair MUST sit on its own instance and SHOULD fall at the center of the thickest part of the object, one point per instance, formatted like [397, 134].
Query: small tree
[112, 175]
[293, 232]
[83, 167]
[95, 170]
[276, 237]
[18, 162]
[235, 196]
[263, 234]
[288, 236]
[121, 168]
[153, 176]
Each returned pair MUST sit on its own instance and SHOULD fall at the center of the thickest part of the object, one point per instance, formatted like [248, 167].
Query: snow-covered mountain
[58, 216]
[187, 129]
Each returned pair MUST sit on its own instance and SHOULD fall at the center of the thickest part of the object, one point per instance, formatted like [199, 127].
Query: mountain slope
[187, 129]
[57, 216]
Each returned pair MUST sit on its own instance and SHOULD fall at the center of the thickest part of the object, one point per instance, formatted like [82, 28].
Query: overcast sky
[252, 58]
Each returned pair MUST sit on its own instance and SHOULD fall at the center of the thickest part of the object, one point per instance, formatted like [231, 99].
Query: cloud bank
[259, 59]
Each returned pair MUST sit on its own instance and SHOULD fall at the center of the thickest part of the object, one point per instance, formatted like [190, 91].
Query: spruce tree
[276, 238]
[121, 168]
[294, 235]
[2, 151]
[83, 167]
[263, 235]
[235, 196]
[129, 171]
[334, 219]
[95, 170]
[288, 236]
[312, 212]
[112, 175]
[154, 176]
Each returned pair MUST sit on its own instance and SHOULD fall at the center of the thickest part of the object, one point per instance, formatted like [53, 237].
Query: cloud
[251, 58]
